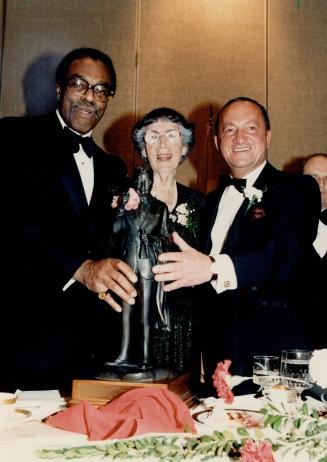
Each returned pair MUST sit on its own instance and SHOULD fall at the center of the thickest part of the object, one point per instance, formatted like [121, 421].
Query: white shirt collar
[63, 124]
[252, 176]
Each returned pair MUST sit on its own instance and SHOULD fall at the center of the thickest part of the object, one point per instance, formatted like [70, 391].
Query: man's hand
[109, 274]
[186, 268]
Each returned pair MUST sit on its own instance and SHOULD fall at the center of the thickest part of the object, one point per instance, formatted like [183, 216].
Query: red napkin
[135, 412]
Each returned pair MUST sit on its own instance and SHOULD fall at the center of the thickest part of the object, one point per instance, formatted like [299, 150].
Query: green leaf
[315, 414]
[277, 423]
[268, 420]
[218, 435]
[304, 409]
[206, 438]
[242, 431]
[312, 428]
[297, 422]
[228, 435]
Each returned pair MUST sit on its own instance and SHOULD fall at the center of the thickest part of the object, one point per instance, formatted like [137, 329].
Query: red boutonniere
[257, 213]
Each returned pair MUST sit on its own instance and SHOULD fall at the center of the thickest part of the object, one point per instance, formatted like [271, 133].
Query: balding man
[316, 166]
[258, 226]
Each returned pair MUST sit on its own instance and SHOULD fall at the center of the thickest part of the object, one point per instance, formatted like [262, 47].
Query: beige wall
[187, 54]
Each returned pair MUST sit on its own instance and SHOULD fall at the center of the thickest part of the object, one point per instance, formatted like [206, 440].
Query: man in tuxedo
[316, 166]
[313, 272]
[63, 283]
[257, 227]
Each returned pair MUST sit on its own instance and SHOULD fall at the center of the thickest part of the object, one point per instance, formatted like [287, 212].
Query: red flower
[219, 382]
[257, 452]
[257, 213]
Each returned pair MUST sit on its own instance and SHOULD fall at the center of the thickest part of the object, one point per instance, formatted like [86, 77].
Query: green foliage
[290, 434]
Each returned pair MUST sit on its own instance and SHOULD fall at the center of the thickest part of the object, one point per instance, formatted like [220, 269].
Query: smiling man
[257, 227]
[58, 228]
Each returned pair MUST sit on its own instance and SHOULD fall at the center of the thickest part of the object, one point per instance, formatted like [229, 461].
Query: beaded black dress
[174, 349]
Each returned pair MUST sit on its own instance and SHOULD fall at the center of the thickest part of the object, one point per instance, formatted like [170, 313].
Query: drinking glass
[265, 372]
[294, 370]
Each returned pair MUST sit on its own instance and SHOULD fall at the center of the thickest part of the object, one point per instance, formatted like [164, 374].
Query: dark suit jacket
[309, 290]
[266, 244]
[49, 231]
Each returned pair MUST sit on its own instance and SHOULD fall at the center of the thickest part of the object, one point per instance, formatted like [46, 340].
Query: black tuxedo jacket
[266, 243]
[49, 231]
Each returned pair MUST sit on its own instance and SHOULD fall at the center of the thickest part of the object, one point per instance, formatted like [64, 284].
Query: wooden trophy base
[100, 392]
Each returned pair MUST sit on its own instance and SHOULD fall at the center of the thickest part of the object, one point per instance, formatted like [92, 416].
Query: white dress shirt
[320, 244]
[229, 205]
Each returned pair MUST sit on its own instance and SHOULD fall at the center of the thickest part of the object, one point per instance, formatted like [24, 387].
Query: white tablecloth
[21, 439]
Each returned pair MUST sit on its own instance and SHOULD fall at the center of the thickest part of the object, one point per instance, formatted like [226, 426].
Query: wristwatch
[214, 276]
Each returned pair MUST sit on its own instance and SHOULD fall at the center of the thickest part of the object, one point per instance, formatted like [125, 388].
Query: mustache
[89, 105]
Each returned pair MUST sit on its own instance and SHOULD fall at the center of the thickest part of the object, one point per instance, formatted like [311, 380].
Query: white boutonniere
[253, 194]
[182, 215]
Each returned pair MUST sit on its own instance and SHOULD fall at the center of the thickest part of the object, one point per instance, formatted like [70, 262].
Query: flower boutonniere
[183, 216]
[254, 196]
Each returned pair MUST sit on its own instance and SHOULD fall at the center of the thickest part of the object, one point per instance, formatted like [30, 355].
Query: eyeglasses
[172, 136]
[78, 87]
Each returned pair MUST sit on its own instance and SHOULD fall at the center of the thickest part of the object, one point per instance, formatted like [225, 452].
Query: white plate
[244, 411]
[7, 398]
[10, 415]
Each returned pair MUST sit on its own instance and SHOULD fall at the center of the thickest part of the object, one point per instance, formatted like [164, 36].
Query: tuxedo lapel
[264, 179]
[64, 162]
[262, 182]
[234, 230]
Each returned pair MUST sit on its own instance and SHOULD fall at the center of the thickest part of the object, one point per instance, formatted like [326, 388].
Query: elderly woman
[164, 139]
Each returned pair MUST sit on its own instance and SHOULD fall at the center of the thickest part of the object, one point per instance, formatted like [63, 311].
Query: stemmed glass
[294, 370]
[265, 372]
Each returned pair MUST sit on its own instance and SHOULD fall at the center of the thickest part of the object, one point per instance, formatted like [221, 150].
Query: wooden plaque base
[100, 392]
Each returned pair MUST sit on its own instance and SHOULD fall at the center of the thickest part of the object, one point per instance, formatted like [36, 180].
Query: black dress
[174, 349]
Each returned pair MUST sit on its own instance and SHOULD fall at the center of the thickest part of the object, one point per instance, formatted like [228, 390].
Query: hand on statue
[186, 268]
[109, 275]
[133, 200]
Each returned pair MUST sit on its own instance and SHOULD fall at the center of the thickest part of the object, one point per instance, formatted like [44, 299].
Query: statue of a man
[145, 236]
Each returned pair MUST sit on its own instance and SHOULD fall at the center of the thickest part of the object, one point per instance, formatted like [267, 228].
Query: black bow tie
[75, 140]
[323, 216]
[239, 183]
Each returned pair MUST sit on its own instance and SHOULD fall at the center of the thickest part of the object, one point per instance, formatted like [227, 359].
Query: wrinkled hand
[133, 200]
[186, 268]
[112, 274]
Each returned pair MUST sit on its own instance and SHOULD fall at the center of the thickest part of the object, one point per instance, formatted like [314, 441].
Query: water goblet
[265, 372]
[294, 371]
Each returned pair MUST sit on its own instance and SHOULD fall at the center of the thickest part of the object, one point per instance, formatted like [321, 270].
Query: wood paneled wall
[191, 55]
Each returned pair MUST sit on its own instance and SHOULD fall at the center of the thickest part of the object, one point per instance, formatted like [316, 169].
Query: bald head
[316, 166]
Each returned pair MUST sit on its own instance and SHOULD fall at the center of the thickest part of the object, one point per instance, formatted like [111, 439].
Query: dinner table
[294, 431]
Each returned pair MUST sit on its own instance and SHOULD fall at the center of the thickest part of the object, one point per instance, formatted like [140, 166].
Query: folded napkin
[135, 412]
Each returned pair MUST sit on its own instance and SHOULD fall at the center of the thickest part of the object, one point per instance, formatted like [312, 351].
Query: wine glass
[294, 370]
[265, 372]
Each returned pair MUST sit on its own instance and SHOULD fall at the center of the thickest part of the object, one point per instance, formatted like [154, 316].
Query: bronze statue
[145, 236]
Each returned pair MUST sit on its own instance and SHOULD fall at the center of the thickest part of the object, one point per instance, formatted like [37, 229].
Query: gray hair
[167, 115]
